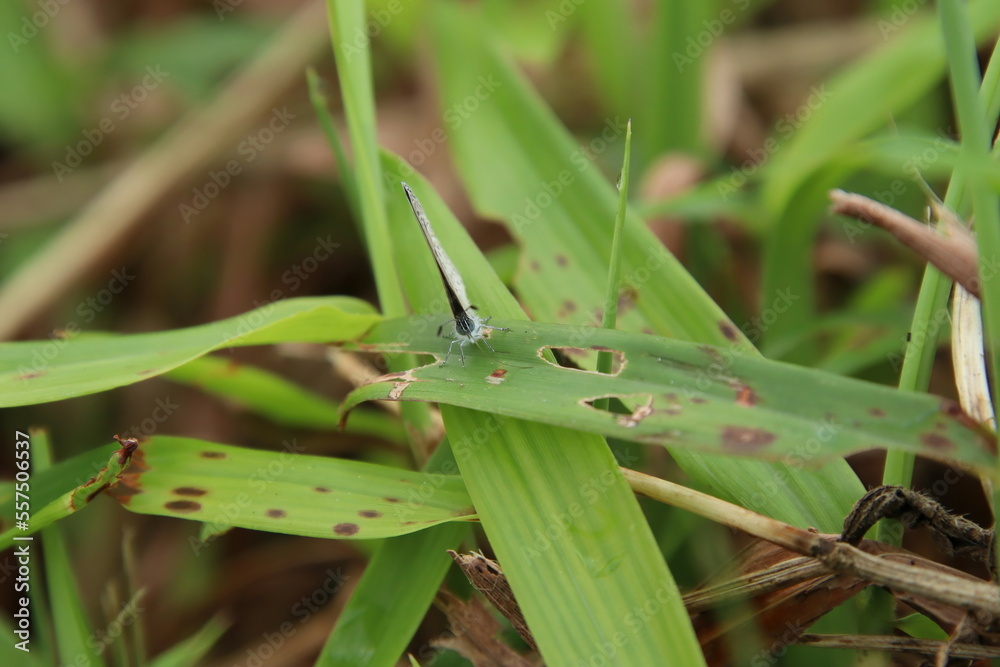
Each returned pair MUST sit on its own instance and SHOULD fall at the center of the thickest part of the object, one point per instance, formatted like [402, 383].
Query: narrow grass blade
[610, 317]
[285, 492]
[387, 606]
[42, 371]
[566, 528]
[757, 408]
[63, 489]
[73, 632]
[553, 199]
[193, 650]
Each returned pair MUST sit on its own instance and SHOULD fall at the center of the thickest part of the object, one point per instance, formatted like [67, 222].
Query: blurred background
[161, 167]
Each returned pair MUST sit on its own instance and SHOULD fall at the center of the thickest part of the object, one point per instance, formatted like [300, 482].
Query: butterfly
[468, 327]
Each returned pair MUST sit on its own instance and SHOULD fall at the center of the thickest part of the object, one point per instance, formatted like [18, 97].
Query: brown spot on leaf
[561, 260]
[876, 412]
[744, 438]
[535, 266]
[212, 455]
[277, 514]
[936, 441]
[148, 371]
[392, 499]
[711, 352]
[497, 376]
[987, 439]
[321, 489]
[189, 491]
[729, 331]
[31, 376]
[569, 306]
[745, 396]
[698, 399]
[370, 514]
[183, 506]
[346, 529]
[397, 390]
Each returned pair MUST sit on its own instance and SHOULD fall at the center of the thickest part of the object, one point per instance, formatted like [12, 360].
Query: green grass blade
[757, 408]
[353, 57]
[976, 132]
[558, 206]
[347, 20]
[62, 489]
[671, 111]
[74, 635]
[554, 199]
[935, 289]
[285, 492]
[279, 400]
[51, 370]
[317, 97]
[566, 528]
[193, 650]
[393, 595]
[610, 319]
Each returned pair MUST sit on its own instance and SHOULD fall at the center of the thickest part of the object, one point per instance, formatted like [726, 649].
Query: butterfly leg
[448, 356]
[484, 325]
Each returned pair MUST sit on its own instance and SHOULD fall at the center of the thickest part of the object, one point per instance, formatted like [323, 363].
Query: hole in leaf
[573, 357]
[630, 409]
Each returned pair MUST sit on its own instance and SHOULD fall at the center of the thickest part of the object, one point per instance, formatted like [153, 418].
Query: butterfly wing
[452, 279]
